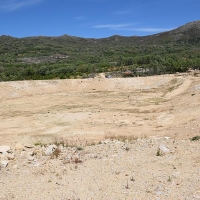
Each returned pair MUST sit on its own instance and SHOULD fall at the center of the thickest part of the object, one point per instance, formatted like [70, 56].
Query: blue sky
[94, 18]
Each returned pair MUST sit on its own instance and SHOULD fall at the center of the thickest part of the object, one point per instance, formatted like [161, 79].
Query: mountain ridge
[182, 28]
[45, 57]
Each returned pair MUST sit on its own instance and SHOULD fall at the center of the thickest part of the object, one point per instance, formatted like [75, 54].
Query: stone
[29, 146]
[163, 149]
[22, 154]
[30, 153]
[10, 156]
[4, 149]
[50, 150]
[19, 146]
[15, 166]
[37, 164]
[37, 153]
[31, 158]
[3, 156]
[4, 163]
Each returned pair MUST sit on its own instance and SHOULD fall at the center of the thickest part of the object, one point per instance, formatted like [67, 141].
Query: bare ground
[161, 110]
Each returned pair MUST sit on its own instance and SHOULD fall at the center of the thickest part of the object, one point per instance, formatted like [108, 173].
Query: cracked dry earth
[130, 138]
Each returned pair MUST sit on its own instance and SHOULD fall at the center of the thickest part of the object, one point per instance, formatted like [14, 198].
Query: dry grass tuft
[63, 142]
[122, 138]
[56, 153]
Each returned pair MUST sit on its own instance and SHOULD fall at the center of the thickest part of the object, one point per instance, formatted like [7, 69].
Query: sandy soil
[152, 108]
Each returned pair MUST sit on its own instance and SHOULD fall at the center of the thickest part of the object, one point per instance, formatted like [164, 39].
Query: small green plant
[197, 137]
[159, 153]
[59, 143]
[40, 144]
[169, 179]
[79, 148]
[132, 179]
[127, 148]
[92, 144]
[127, 185]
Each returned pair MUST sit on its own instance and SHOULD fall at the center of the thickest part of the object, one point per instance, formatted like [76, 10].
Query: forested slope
[71, 57]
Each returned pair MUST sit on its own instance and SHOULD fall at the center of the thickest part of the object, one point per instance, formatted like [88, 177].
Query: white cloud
[152, 29]
[112, 26]
[11, 5]
[129, 27]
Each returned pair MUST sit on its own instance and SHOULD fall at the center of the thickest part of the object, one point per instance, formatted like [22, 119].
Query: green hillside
[71, 57]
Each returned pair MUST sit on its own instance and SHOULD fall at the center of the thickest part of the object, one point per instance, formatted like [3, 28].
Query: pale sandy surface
[90, 109]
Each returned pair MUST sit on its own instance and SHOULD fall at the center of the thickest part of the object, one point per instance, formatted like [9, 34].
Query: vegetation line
[37, 58]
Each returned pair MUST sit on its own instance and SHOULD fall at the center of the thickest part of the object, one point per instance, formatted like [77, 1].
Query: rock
[31, 158]
[76, 159]
[15, 166]
[3, 156]
[50, 149]
[30, 153]
[163, 149]
[29, 146]
[105, 141]
[4, 149]
[37, 153]
[10, 156]
[19, 146]
[37, 164]
[4, 163]
[22, 154]
[196, 196]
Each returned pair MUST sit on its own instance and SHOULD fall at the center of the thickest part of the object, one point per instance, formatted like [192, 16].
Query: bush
[195, 138]
[79, 148]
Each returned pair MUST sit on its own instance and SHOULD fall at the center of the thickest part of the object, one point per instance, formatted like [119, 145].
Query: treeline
[82, 60]
[142, 66]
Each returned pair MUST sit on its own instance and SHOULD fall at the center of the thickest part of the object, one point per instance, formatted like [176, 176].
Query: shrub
[197, 137]
[79, 148]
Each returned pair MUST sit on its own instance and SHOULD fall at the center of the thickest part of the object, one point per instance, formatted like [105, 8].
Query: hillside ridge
[185, 27]
[44, 57]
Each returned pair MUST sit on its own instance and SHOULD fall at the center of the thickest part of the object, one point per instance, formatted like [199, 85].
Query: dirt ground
[157, 110]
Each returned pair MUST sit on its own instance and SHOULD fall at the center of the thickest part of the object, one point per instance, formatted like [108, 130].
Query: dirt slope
[33, 110]
[161, 110]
